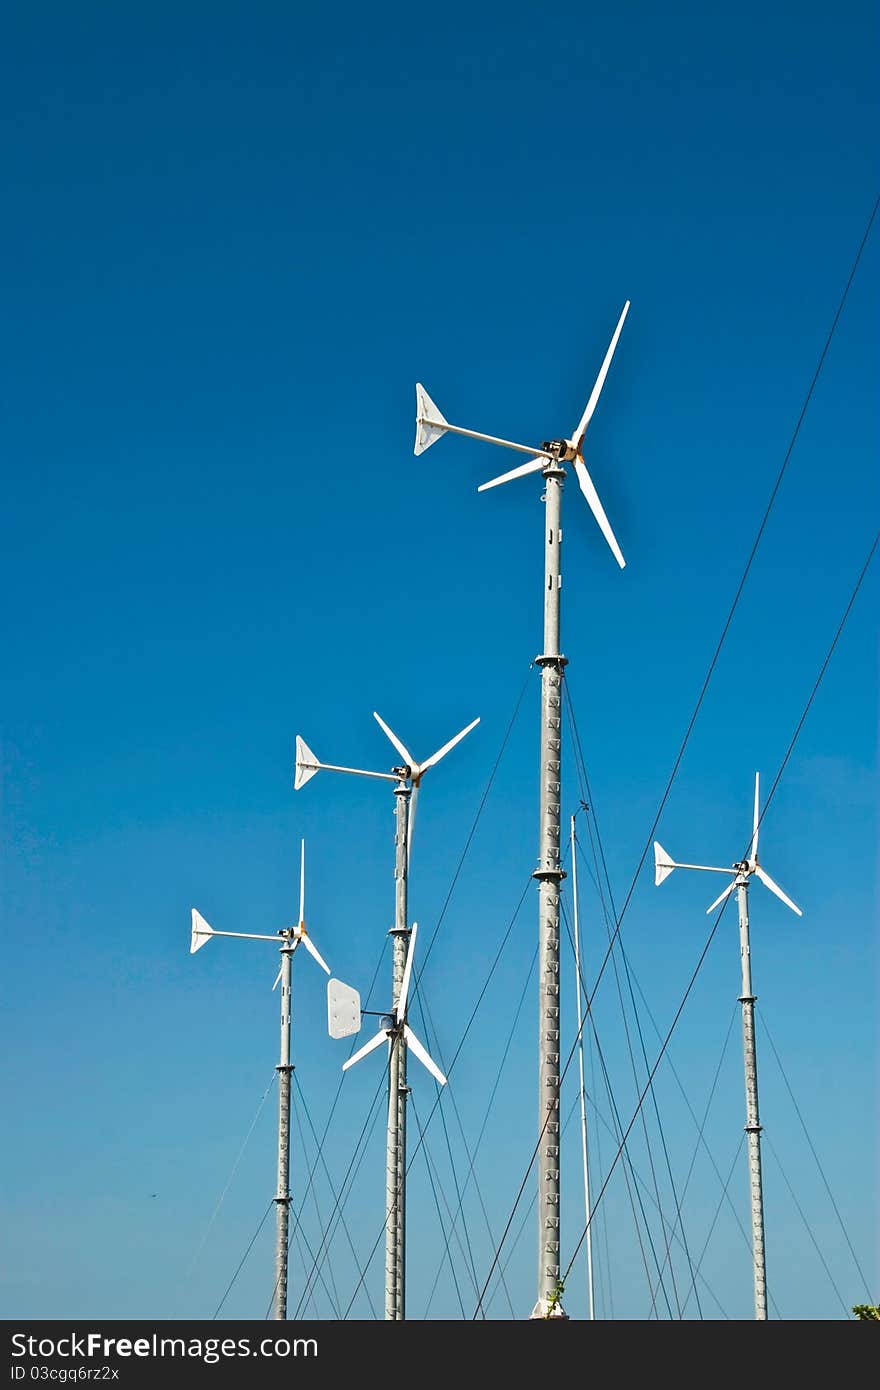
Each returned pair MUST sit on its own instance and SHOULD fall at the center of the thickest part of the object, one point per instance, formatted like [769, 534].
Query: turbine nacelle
[742, 869]
[341, 1012]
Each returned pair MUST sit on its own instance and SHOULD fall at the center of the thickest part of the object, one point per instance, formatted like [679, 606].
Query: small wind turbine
[344, 1003]
[291, 939]
[742, 872]
[549, 460]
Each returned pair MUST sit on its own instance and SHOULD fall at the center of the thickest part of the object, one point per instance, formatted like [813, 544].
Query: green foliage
[867, 1312]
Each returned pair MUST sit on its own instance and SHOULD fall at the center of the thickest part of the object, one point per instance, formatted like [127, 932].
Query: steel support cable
[702, 1127]
[350, 1173]
[417, 973]
[771, 794]
[592, 820]
[447, 1255]
[862, 1275]
[585, 787]
[455, 1057]
[240, 1266]
[809, 1229]
[629, 1169]
[714, 1222]
[234, 1170]
[488, 1110]
[319, 1158]
[431, 1031]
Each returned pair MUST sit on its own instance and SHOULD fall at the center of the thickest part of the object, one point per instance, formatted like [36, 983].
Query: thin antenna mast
[549, 461]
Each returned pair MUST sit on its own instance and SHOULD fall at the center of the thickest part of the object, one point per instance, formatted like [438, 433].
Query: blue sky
[234, 238]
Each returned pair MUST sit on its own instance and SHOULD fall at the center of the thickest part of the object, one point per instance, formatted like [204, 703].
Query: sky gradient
[234, 238]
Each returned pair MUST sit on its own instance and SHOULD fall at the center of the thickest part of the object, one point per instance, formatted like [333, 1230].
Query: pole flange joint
[558, 660]
[285, 1066]
[282, 1201]
[753, 1129]
[553, 875]
[747, 998]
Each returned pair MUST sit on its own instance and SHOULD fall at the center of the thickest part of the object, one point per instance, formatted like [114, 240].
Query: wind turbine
[549, 460]
[291, 938]
[742, 872]
[341, 1000]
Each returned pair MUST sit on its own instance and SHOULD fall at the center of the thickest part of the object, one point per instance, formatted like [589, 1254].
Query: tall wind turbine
[742, 872]
[291, 938]
[549, 460]
[406, 778]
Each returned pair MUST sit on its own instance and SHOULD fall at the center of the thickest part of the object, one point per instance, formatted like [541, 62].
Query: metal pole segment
[395, 1179]
[487, 438]
[753, 1124]
[549, 875]
[282, 1190]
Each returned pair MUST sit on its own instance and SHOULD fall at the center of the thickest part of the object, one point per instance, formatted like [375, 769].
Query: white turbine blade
[597, 509]
[402, 750]
[306, 764]
[415, 1046]
[533, 466]
[371, 1046]
[201, 933]
[753, 852]
[302, 882]
[578, 436]
[277, 978]
[721, 896]
[400, 1011]
[447, 747]
[430, 424]
[411, 821]
[663, 865]
[774, 888]
[313, 950]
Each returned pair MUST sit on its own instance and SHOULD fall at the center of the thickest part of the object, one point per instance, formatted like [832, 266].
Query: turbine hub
[561, 449]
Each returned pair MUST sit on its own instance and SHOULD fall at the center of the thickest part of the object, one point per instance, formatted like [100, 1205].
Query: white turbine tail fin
[367, 1048]
[430, 424]
[533, 466]
[774, 888]
[721, 896]
[663, 865]
[343, 1009]
[392, 736]
[592, 496]
[400, 1011]
[306, 764]
[578, 436]
[447, 747]
[201, 933]
[427, 1062]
